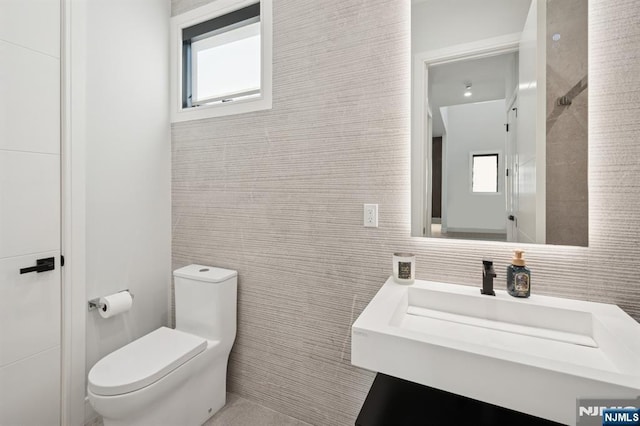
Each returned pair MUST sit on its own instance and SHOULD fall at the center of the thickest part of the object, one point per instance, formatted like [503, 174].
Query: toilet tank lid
[209, 274]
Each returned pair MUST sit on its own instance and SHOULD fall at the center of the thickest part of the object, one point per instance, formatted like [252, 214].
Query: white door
[512, 173]
[29, 212]
[530, 136]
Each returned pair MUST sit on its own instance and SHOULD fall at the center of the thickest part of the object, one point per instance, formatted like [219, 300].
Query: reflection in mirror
[499, 120]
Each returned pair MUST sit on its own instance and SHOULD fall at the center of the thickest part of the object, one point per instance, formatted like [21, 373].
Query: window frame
[202, 14]
[491, 153]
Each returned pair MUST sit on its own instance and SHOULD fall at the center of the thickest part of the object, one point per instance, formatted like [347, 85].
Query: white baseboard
[477, 230]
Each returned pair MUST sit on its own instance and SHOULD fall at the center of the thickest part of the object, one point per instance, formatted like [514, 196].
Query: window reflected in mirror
[484, 173]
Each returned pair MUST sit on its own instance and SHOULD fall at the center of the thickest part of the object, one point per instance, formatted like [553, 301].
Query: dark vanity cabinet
[396, 402]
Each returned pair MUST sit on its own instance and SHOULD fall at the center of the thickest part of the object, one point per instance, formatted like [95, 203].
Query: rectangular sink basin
[535, 355]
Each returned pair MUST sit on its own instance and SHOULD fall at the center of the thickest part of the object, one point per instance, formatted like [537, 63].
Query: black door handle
[42, 265]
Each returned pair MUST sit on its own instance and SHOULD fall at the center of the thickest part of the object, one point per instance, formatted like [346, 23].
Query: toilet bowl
[173, 377]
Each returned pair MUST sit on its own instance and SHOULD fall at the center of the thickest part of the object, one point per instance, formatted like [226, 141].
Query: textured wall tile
[277, 195]
[567, 127]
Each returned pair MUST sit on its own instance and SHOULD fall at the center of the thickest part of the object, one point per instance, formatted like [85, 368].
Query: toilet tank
[205, 302]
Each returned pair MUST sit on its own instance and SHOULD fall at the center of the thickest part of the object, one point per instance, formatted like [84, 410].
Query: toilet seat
[143, 361]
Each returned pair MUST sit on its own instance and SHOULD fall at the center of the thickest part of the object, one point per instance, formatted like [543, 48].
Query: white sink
[535, 355]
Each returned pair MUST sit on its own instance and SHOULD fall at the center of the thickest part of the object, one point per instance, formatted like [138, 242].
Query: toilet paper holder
[95, 303]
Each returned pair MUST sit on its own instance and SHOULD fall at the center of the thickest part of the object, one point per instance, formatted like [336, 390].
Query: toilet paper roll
[115, 304]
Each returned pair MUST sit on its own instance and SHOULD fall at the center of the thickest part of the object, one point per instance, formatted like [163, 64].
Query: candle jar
[404, 268]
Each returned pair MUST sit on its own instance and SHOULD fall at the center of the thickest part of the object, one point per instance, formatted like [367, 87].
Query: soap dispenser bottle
[518, 276]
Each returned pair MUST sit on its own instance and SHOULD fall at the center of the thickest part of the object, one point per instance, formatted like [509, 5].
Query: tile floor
[242, 412]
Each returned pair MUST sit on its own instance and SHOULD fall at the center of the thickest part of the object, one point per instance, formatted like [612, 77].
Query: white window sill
[220, 110]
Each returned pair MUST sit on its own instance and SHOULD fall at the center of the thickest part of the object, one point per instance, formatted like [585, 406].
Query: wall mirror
[499, 120]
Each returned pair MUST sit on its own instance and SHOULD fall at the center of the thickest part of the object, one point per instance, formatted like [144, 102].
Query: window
[221, 59]
[239, 52]
[484, 173]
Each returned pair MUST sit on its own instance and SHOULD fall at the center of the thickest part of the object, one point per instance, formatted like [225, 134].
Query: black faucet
[488, 274]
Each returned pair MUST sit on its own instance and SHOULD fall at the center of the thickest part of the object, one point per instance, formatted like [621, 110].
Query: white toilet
[173, 377]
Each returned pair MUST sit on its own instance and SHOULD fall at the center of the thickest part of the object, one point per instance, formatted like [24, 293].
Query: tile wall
[567, 126]
[277, 195]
